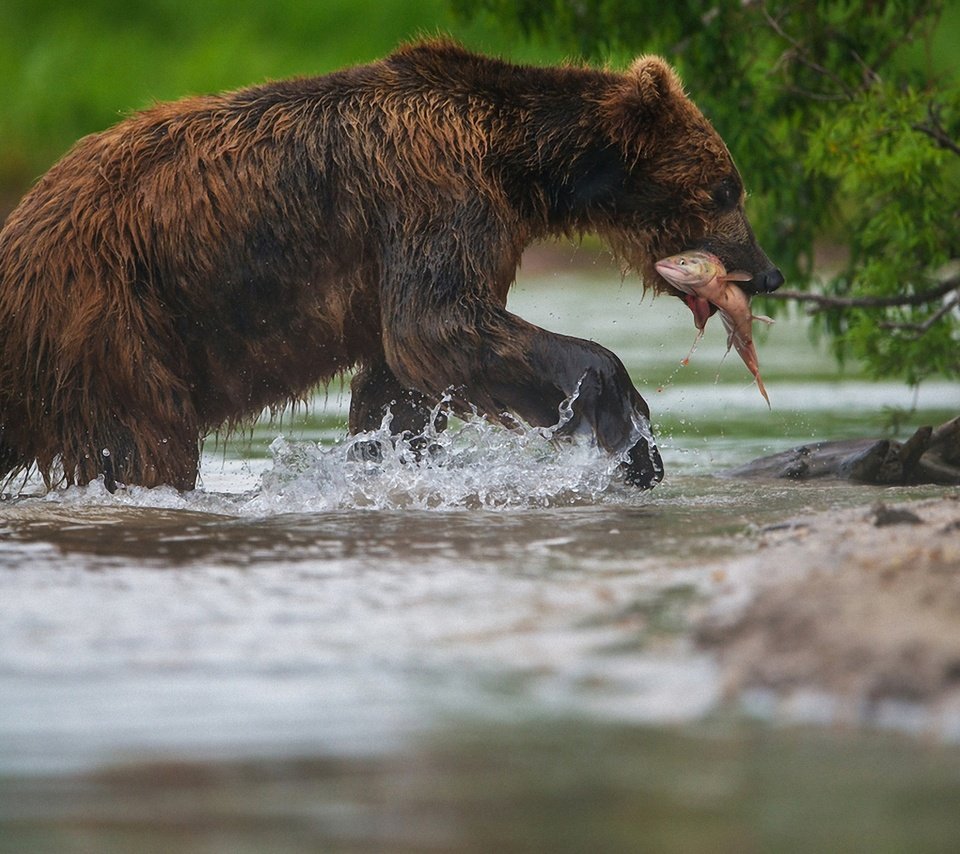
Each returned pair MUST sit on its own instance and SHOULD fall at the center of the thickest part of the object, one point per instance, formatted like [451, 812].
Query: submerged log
[928, 456]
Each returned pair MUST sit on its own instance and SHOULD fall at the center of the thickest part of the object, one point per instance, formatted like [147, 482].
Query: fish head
[689, 271]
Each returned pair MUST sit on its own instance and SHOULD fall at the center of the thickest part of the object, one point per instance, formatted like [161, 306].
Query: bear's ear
[642, 93]
[653, 82]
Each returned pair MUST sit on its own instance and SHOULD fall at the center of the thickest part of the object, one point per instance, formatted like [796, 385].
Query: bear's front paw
[365, 451]
[643, 467]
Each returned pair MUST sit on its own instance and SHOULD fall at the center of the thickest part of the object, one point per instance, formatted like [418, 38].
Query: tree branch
[823, 302]
[800, 53]
[906, 33]
[934, 128]
[815, 96]
[920, 328]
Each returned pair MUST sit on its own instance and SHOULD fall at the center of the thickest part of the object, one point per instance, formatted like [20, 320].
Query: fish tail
[763, 390]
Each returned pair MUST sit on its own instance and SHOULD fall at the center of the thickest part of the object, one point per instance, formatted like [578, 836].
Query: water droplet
[106, 452]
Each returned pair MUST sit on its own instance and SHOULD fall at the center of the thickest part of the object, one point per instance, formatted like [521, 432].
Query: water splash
[473, 464]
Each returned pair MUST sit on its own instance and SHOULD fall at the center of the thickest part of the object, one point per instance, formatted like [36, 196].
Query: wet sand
[849, 616]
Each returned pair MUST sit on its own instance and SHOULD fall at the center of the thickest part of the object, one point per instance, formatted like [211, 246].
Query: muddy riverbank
[848, 616]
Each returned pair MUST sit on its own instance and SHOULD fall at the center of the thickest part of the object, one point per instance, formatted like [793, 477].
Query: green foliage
[845, 120]
[899, 188]
[69, 68]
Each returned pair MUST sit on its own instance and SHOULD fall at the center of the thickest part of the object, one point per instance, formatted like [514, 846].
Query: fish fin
[737, 276]
[763, 318]
[702, 310]
[733, 339]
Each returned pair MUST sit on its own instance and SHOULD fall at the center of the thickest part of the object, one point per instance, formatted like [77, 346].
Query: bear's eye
[727, 193]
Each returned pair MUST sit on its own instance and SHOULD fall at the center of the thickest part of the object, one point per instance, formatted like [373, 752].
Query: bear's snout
[769, 281]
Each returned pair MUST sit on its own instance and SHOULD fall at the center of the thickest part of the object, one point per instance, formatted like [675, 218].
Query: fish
[709, 287]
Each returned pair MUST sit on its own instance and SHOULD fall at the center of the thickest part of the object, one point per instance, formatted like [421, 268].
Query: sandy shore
[846, 617]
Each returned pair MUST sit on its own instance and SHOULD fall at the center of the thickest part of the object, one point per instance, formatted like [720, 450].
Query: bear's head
[678, 185]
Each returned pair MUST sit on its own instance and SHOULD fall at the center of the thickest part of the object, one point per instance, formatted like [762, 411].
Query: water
[313, 652]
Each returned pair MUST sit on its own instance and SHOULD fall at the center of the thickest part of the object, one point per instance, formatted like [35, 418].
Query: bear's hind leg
[146, 454]
[12, 462]
[374, 390]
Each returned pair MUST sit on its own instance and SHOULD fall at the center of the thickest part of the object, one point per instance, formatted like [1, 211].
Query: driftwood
[928, 456]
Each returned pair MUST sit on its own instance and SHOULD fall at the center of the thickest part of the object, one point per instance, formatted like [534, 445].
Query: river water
[483, 651]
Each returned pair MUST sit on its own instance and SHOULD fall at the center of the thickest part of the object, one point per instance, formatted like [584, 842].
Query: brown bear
[208, 258]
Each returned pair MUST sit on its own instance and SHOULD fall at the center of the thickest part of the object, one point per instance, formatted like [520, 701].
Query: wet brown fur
[207, 258]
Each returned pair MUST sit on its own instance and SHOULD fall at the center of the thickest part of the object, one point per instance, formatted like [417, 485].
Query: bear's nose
[770, 281]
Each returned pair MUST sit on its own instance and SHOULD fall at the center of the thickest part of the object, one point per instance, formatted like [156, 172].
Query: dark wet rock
[883, 514]
[928, 456]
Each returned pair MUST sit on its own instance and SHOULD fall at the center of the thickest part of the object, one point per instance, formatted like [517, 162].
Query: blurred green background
[70, 67]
